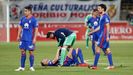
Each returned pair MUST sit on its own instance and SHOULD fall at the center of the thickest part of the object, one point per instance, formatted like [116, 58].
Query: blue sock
[31, 58]
[109, 55]
[23, 58]
[75, 58]
[97, 55]
[93, 47]
[80, 55]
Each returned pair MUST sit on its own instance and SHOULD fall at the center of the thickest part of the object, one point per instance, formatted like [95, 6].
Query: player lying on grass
[70, 60]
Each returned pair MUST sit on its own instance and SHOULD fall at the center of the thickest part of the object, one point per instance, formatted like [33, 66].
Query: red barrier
[119, 30]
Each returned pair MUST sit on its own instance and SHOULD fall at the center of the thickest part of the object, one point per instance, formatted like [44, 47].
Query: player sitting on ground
[69, 60]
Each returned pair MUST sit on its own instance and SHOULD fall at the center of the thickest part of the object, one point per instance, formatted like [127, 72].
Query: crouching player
[69, 60]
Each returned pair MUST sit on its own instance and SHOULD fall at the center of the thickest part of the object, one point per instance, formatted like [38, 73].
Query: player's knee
[108, 51]
[78, 50]
[31, 52]
[23, 52]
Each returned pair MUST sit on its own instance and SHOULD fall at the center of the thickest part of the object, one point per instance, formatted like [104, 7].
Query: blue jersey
[61, 34]
[103, 21]
[102, 43]
[94, 22]
[27, 28]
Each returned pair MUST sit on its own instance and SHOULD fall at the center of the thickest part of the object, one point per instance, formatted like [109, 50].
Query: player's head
[44, 62]
[50, 35]
[27, 10]
[102, 8]
[95, 12]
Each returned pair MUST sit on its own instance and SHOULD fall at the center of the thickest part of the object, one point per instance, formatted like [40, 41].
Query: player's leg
[109, 56]
[69, 41]
[23, 56]
[63, 55]
[93, 47]
[31, 59]
[97, 54]
[30, 47]
[74, 57]
[87, 38]
[80, 55]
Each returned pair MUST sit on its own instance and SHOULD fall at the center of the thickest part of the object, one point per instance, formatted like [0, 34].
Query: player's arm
[35, 35]
[19, 32]
[57, 55]
[108, 30]
[95, 30]
[35, 31]
[107, 23]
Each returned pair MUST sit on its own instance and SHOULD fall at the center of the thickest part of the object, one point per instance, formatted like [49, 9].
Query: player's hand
[18, 38]
[89, 33]
[107, 39]
[34, 41]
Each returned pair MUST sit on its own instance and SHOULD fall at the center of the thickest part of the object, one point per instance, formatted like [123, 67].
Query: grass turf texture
[122, 56]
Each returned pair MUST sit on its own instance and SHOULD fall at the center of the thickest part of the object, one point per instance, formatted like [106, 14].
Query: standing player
[93, 24]
[65, 38]
[27, 32]
[103, 40]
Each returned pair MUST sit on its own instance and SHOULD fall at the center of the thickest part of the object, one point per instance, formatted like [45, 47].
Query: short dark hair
[28, 8]
[103, 6]
[94, 10]
[48, 34]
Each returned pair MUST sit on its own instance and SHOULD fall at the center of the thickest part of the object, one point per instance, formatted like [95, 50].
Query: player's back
[27, 25]
[63, 32]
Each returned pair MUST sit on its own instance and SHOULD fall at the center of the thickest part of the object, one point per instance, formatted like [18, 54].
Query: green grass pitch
[122, 56]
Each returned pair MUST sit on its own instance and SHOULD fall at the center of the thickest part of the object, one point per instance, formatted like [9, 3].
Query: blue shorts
[95, 37]
[26, 45]
[68, 62]
[102, 43]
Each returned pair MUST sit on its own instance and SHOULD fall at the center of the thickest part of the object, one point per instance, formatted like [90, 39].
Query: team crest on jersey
[26, 26]
[95, 23]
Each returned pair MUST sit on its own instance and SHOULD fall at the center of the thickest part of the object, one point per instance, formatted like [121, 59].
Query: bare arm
[35, 35]
[19, 33]
[57, 55]
[95, 30]
[108, 30]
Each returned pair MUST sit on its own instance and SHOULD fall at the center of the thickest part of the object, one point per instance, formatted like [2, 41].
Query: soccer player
[93, 24]
[65, 38]
[69, 61]
[27, 32]
[103, 40]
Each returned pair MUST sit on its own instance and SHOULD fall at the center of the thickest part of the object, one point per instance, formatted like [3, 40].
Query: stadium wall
[118, 30]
